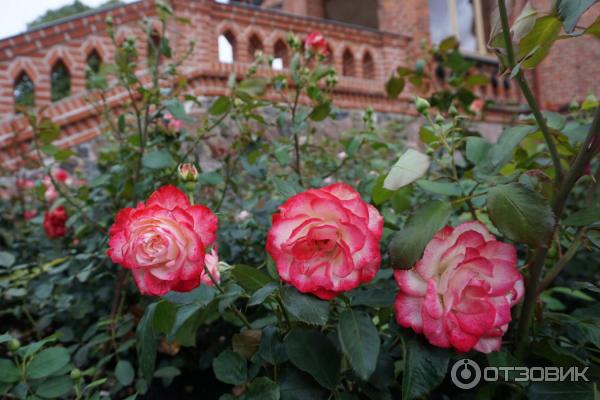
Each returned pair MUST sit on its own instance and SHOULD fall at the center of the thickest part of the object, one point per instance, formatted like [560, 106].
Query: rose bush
[326, 241]
[164, 242]
[461, 292]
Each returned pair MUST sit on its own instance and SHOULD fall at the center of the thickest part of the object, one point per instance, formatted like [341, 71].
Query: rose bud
[187, 172]
[316, 43]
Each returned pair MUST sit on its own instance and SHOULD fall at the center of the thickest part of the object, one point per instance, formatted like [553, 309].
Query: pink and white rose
[164, 242]
[460, 293]
[326, 241]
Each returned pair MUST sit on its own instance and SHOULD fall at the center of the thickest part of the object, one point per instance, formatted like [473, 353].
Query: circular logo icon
[465, 373]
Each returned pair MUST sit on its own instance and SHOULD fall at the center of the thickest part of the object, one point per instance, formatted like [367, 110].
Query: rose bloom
[477, 106]
[326, 241]
[460, 293]
[316, 43]
[163, 242]
[60, 176]
[30, 214]
[54, 222]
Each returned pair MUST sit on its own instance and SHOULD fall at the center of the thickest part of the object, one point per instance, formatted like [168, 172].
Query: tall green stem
[528, 94]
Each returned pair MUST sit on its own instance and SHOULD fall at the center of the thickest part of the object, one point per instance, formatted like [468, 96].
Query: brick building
[368, 38]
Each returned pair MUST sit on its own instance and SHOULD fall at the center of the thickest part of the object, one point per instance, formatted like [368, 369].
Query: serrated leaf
[408, 244]
[164, 317]
[158, 159]
[443, 188]
[536, 44]
[359, 341]
[586, 216]
[304, 307]
[8, 371]
[262, 388]
[220, 106]
[56, 387]
[502, 151]
[520, 214]
[411, 166]
[297, 385]
[250, 278]
[424, 368]
[271, 348]
[47, 362]
[312, 352]
[230, 367]
[320, 112]
[146, 343]
[477, 149]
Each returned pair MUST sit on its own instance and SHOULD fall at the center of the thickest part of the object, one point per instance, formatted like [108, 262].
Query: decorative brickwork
[364, 58]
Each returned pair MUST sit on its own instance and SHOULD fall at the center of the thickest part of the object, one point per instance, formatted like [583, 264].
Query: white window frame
[479, 25]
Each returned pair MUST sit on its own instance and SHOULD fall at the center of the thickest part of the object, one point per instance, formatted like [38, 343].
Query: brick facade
[375, 54]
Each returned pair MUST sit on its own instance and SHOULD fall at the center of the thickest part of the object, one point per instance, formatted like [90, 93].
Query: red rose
[316, 43]
[326, 241]
[54, 222]
[164, 242]
[460, 293]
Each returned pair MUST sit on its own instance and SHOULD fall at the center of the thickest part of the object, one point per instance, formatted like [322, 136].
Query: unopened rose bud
[422, 105]
[75, 373]
[187, 172]
[13, 344]
[439, 119]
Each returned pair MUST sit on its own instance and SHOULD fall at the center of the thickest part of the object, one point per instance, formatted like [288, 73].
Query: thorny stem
[564, 184]
[526, 90]
[236, 310]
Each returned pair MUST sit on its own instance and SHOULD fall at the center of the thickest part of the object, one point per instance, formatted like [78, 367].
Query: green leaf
[410, 166]
[320, 112]
[502, 151]
[202, 295]
[220, 106]
[158, 159]
[359, 341]
[262, 388]
[379, 194]
[47, 362]
[394, 86]
[312, 352]
[303, 307]
[176, 109]
[271, 348]
[424, 368]
[584, 217]
[296, 385]
[48, 131]
[253, 87]
[6, 259]
[56, 387]
[164, 317]
[184, 327]
[63, 155]
[230, 367]
[443, 188]
[560, 391]
[408, 244]
[520, 214]
[571, 10]
[261, 294]
[250, 278]
[146, 343]
[167, 372]
[477, 149]
[536, 44]
[8, 371]
[124, 372]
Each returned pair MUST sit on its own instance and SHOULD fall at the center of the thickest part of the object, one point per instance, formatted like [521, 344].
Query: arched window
[24, 91]
[281, 58]
[227, 51]
[60, 81]
[254, 45]
[93, 64]
[348, 68]
[368, 66]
